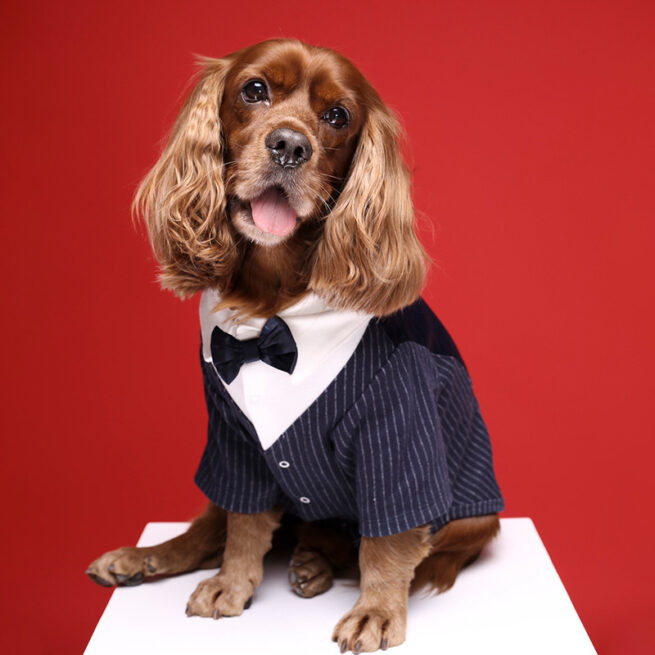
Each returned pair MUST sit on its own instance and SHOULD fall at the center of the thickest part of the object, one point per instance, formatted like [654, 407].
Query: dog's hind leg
[200, 547]
[455, 545]
[318, 553]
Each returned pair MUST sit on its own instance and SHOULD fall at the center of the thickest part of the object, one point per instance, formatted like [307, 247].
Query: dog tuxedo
[370, 421]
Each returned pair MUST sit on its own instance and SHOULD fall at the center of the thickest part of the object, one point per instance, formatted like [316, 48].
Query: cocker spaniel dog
[335, 396]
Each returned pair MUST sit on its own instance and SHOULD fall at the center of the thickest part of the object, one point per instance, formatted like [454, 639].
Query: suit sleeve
[401, 469]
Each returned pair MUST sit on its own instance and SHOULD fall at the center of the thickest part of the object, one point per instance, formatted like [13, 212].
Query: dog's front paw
[366, 629]
[220, 596]
[124, 567]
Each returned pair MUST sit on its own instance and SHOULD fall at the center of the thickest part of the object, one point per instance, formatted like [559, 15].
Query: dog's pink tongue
[272, 213]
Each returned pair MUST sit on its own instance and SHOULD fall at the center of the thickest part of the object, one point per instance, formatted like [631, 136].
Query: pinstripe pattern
[395, 441]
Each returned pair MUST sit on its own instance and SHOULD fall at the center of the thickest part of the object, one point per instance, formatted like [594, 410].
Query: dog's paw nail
[135, 580]
[188, 611]
[344, 646]
[120, 577]
[111, 568]
[357, 648]
[248, 604]
[149, 566]
[216, 614]
[293, 576]
[384, 644]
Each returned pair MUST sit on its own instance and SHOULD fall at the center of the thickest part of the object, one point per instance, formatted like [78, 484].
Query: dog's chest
[270, 398]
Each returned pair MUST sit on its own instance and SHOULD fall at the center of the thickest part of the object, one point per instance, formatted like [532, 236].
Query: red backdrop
[531, 131]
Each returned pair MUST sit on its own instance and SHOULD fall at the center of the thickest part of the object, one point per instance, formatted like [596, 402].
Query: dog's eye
[254, 91]
[337, 117]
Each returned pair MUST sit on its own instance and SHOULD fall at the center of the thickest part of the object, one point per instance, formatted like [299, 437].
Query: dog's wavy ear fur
[369, 258]
[182, 199]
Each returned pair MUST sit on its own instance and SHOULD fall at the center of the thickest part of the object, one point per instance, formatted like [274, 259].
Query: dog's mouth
[272, 212]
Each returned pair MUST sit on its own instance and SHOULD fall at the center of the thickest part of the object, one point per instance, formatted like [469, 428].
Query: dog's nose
[288, 147]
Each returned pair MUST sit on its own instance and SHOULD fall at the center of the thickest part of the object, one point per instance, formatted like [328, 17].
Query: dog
[334, 394]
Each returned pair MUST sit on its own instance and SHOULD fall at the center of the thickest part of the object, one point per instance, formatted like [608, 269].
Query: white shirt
[273, 399]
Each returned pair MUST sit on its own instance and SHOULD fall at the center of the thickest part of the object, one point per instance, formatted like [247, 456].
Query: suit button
[304, 499]
[284, 464]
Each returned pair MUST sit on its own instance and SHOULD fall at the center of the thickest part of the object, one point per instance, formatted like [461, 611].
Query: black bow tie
[274, 346]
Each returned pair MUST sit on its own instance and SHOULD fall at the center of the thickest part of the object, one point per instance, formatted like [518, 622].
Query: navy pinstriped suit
[395, 441]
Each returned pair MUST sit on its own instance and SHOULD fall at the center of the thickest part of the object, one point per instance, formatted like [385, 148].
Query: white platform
[511, 601]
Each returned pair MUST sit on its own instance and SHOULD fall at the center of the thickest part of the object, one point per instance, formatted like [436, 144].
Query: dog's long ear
[182, 199]
[369, 258]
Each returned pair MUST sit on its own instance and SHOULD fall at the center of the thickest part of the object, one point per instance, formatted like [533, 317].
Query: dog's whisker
[333, 177]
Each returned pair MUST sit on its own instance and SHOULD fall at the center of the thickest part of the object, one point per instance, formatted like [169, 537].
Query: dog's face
[285, 144]
[291, 118]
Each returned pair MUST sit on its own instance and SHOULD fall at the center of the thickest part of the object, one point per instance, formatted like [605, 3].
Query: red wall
[531, 128]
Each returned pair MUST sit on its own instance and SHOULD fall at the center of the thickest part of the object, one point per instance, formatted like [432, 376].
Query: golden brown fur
[356, 246]
[353, 244]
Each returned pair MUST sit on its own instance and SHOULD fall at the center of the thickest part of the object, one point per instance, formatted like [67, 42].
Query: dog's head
[284, 143]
